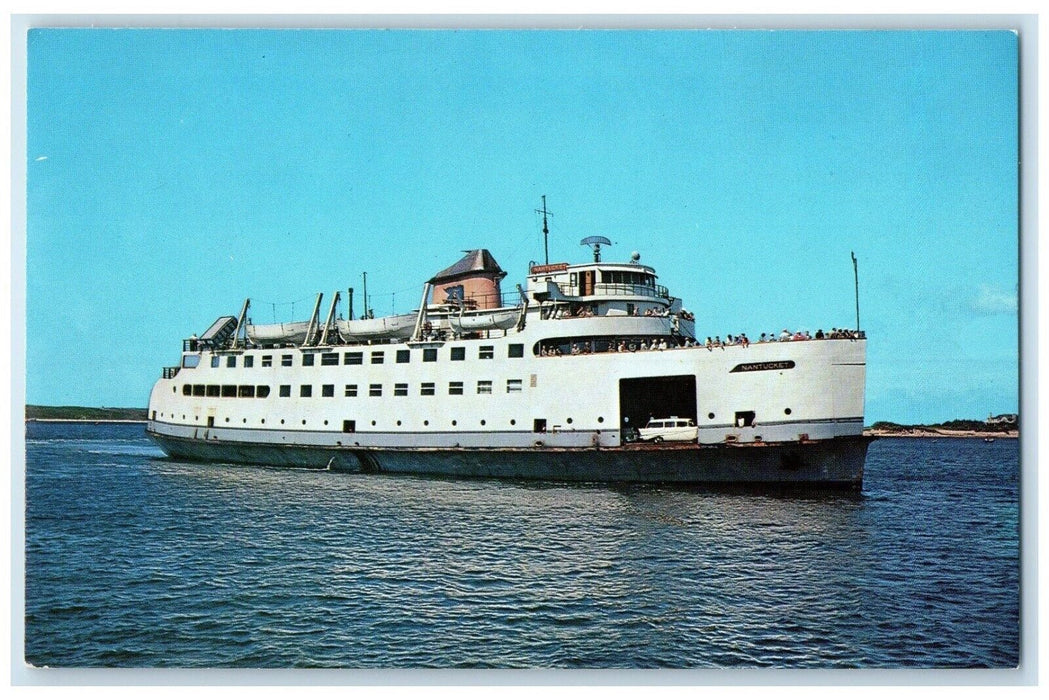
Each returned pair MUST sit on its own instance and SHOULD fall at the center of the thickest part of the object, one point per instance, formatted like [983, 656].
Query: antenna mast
[546, 233]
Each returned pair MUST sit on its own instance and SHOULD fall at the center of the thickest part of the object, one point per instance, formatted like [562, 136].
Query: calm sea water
[137, 561]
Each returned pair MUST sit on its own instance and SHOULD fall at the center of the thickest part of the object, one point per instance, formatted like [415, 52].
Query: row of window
[483, 386]
[377, 357]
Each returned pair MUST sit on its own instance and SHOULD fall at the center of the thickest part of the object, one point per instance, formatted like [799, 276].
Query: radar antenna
[596, 242]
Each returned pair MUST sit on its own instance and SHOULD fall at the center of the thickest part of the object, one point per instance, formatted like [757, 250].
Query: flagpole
[856, 277]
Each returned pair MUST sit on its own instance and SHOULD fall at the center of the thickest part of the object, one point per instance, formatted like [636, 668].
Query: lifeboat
[277, 333]
[484, 320]
[399, 327]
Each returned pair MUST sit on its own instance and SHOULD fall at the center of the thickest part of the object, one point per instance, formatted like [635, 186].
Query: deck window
[484, 386]
[187, 389]
[213, 390]
[455, 388]
[428, 389]
[458, 354]
[285, 390]
[262, 391]
[429, 354]
[327, 390]
[249, 360]
[400, 389]
[267, 360]
[306, 390]
[349, 426]
[513, 386]
[377, 357]
[231, 361]
[351, 390]
[486, 352]
[198, 390]
[246, 391]
[515, 350]
[229, 390]
[307, 359]
[285, 360]
[375, 390]
[353, 358]
[329, 359]
[403, 356]
[214, 360]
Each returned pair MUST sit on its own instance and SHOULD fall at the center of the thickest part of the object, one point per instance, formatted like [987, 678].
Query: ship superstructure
[551, 381]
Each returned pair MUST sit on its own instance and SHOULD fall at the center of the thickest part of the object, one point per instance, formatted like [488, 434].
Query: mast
[546, 233]
[365, 313]
[856, 277]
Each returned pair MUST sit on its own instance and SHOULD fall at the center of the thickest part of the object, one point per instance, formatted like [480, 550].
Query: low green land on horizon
[83, 413]
[977, 426]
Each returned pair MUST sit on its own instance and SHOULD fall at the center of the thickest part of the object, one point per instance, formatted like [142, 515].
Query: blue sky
[172, 173]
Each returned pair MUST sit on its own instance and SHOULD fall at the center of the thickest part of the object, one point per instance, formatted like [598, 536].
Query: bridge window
[307, 360]
[458, 354]
[403, 356]
[353, 358]
[231, 361]
[329, 359]
[429, 354]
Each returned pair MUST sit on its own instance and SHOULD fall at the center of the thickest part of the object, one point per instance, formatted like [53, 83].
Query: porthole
[227, 420]
[264, 421]
[183, 416]
[304, 421]
[398, 422]
[569, 421]
[426, 422]
[600, 419]
[173, 390]
[373, 422]
[710, 416]
[482, 421]
[282, 421]
[513, 422]
[787, 411]
[455, 422]
[245, 420]
[325, 422]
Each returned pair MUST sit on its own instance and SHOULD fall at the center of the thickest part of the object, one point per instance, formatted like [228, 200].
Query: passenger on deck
[784, 336]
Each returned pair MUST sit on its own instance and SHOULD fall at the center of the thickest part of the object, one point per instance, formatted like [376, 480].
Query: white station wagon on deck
[672, 428]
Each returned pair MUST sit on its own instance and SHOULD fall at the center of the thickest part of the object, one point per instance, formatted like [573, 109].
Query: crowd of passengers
[675, 342]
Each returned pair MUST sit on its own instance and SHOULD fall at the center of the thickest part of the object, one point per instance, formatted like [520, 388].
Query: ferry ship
[567, 378]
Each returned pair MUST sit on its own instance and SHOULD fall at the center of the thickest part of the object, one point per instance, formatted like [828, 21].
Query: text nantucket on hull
[553, 381]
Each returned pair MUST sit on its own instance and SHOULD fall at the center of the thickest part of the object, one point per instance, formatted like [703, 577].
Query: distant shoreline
[938, 433]
[83, 420]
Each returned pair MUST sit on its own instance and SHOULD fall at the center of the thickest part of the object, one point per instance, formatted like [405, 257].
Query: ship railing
[170, 372]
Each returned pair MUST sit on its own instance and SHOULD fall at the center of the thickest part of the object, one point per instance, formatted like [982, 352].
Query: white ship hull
[560, 396]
